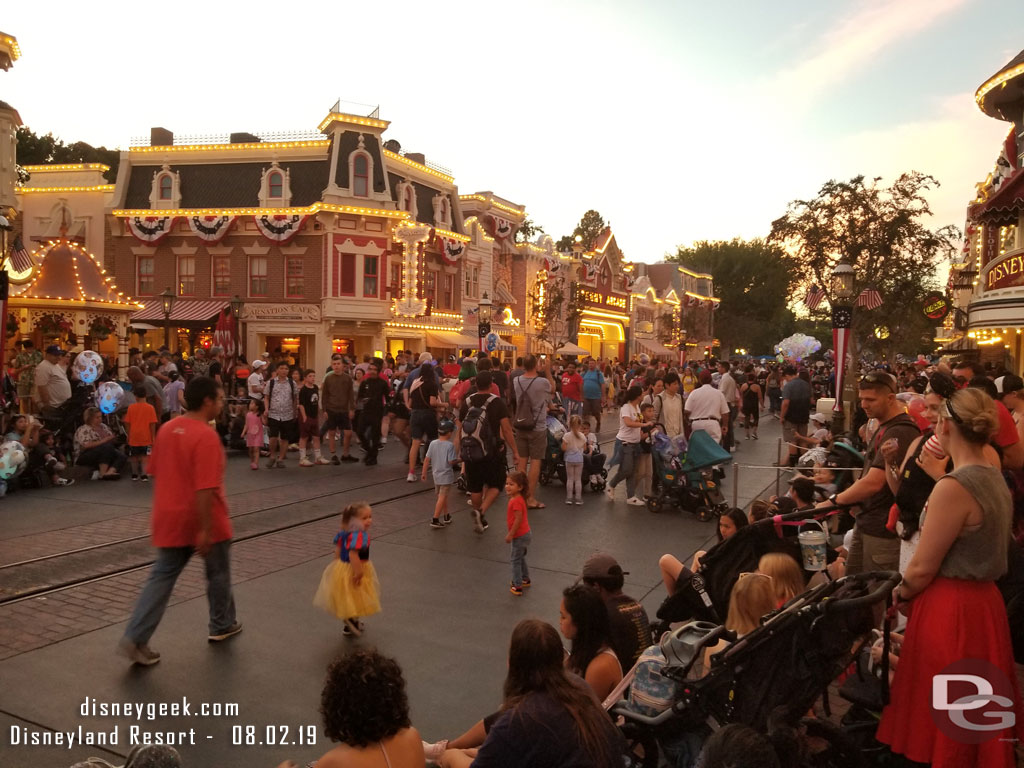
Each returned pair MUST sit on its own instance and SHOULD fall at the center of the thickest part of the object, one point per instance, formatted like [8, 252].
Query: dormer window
[275, 187]
[166, 189]
[442, 211]
[406, 194]
[361, 175]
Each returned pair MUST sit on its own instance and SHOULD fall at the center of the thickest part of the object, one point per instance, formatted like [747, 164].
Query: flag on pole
[869, 299]
[19, 258]
[814, 297]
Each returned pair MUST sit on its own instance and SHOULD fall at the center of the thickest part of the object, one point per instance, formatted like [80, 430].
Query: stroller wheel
[460, 483]
[703, 514]
[656, 503]
[597, 483]
[545, 476]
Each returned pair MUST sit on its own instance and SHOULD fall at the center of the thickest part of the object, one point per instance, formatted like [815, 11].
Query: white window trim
[179, 274]
[154, 193]
[138, 291]
[213, 273]
[248, 276]
[352, 170]
[285, 200]
[362, 267]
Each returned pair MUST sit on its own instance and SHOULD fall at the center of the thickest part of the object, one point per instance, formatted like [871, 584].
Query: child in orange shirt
[141, 421]
[519, 535]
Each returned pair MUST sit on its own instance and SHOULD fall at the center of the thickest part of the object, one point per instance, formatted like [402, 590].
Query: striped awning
[184, 310]
[652, 347]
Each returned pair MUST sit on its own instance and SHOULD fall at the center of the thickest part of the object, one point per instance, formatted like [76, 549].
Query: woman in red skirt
[958, 623]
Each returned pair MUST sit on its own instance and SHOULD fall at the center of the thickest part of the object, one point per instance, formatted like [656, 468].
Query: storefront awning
[451, 340]
[572, 349]
[184, 310]
[963, 344]
[653, 348]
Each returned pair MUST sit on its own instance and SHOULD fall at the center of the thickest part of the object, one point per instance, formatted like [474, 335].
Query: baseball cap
[257, 364]
[445, 427]
[53, 349]
[599, 565]
[819, 417]
[425, 357]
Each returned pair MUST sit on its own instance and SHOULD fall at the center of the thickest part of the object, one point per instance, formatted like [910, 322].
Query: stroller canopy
[704, 452]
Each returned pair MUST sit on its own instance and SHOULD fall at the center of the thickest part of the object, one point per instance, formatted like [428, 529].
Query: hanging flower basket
[12, 325]
[102, 327]
[54, 325]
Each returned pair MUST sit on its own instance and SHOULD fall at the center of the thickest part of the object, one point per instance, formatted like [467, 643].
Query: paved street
[447, 610]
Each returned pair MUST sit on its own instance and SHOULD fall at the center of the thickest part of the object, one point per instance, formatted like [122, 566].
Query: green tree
[34, 149]
[555, 309]
[754, 280]
[880, 232]
[590, 227]
[528, 231]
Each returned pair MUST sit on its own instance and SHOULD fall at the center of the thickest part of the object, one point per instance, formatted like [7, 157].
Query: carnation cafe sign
[281, 312]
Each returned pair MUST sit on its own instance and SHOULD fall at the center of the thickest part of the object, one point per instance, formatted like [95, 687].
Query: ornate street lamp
[167, 299]
[483, 321]
[842, 323]
[236, 313]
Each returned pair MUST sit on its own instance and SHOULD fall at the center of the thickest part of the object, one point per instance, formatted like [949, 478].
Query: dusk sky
[678, 121]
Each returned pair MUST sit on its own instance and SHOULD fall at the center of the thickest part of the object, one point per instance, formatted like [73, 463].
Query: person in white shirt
[706, 409]
[668, 406]
[727, 386]
[256, 383]
[629, 435]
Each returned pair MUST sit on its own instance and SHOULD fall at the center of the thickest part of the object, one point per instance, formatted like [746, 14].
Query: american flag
[18, 257]
[814, 297]
[869, 299]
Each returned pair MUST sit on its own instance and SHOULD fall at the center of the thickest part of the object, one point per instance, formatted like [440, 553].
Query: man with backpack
[482, 434]
[533, 391]
[281, 416]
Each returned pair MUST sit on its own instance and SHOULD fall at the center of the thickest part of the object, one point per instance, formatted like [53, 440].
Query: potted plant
[54, 325]
[101, 327]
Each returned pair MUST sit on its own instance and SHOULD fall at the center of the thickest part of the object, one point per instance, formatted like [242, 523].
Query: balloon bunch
[798, 346]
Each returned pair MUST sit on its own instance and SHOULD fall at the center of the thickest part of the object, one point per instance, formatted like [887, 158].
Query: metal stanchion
[735, 485]
[778, 469]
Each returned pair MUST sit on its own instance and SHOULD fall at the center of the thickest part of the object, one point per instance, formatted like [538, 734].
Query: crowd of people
[938, 501]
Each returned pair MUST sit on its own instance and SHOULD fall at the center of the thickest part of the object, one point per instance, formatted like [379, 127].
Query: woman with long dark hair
[583, 620]
[548, 717]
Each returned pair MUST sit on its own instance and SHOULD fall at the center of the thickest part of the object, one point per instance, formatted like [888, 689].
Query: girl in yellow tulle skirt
[348, 588]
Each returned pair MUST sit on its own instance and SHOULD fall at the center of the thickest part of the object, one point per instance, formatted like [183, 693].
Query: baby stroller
[689, 481]
[594, 472]
[705, 594]
[771, 676]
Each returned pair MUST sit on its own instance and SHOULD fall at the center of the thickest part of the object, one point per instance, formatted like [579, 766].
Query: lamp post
[842, 322]
[963, 284]
[236, 313]
[483, 321]
[167, 299]
[682, 347]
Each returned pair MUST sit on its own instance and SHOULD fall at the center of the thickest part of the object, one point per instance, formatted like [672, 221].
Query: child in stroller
[775, 672]
[594, 473]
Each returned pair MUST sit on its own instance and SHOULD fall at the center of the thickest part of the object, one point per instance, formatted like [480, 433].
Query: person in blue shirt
[593, 393]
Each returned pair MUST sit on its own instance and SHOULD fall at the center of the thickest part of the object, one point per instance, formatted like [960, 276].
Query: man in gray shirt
[727, 386]
[532, 392]
[796, 409]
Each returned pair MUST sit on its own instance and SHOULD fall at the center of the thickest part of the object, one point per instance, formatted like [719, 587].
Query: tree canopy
[34, 149]
[590, 227]
[754, 280]
[528, 231]
[880, 232]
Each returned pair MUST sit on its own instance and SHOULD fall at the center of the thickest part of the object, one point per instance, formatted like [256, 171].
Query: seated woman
[583, 619]
[548, 717]
[672, 570]
[365, 708]
[786, 575]
[94, 442]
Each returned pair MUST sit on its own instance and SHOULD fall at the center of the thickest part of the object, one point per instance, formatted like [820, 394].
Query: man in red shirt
[572, 391]
[190, 514]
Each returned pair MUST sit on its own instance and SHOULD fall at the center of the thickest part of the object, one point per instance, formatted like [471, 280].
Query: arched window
[361, 176]
[275, 185]
[166, 185]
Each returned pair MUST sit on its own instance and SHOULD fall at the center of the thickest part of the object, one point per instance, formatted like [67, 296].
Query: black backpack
[477, 441]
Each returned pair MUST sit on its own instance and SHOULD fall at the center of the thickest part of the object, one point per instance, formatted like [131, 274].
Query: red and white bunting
[502, 227]
[552, 264]
[150, 229]
[279, 229]
[451, 249]
[210, 229]
[589, 274]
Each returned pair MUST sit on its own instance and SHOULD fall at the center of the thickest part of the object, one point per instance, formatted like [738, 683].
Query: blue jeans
[625, 470]
[520, 570]
[616, 454]
[170, 562]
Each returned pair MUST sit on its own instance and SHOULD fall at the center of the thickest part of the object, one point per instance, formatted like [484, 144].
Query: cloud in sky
[856, 39]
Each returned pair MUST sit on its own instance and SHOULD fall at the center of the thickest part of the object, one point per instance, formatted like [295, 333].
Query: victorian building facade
[988, 283]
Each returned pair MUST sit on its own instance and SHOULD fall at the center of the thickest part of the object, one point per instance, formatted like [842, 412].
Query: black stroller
[705, 594]
[769, 677]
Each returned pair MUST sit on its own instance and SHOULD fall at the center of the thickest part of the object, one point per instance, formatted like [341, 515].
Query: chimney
[160, 137]
[416, 157]
[244, 138]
